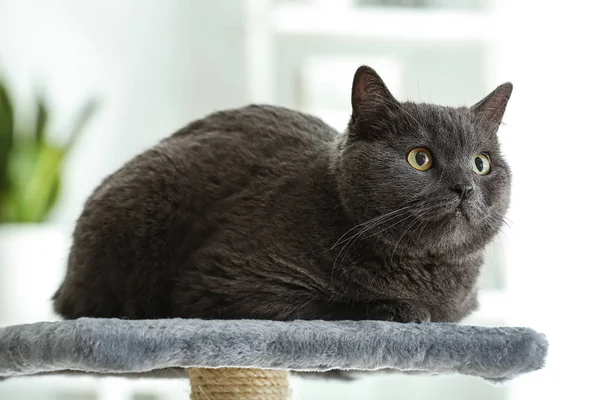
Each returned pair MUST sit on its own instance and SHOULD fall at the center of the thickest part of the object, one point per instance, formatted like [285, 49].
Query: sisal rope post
[238, 384]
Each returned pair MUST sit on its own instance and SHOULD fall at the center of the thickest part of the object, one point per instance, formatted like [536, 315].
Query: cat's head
[425, 176]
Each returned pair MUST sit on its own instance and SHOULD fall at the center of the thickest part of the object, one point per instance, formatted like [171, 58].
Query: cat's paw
[413, 313]
[404, 312]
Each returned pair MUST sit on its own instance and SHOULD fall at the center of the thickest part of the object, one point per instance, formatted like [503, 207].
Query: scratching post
[238, 384]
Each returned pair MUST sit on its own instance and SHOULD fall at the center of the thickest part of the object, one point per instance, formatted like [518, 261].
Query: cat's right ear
[491, 109]
[369, 93]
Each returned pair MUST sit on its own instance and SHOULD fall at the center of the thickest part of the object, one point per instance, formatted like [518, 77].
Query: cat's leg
[398, 311]
[467, 307]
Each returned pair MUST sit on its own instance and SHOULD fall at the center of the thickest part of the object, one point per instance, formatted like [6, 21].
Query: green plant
[30, 165]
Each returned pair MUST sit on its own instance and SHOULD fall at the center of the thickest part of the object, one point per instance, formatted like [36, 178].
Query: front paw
[413, 312]
[403, 312]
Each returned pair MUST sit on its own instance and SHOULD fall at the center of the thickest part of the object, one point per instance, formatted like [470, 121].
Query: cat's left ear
[491, 108]
[369, 92]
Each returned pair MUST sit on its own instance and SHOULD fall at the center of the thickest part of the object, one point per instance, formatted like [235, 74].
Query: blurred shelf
[382, 23]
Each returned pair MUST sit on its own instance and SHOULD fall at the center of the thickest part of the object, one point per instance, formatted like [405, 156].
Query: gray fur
[267, 213]
[137, 347]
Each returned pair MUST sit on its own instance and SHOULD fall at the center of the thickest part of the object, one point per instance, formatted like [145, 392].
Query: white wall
[155, 65]
[549, 51]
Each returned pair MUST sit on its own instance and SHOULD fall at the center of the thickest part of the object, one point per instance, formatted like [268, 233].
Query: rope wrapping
[238, 384]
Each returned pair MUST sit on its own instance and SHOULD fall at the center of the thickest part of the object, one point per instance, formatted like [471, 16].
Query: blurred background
[86, 85]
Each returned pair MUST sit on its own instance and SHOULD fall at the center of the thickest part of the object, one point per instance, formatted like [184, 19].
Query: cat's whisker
[372, 220]
[498, 217]
[495, 218]
[351, 241]
[348, 244]
[400, 240]
[505, 220]
[501, 231]
[365, 229]
[504, 217]
[388, 227]
[379, 220]
[425, 223]
[422, 220]
[370, 225]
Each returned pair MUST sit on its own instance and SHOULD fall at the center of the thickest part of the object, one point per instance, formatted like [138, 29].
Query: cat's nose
[463, 190]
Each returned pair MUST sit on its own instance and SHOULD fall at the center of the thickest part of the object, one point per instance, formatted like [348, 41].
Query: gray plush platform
[112, 346]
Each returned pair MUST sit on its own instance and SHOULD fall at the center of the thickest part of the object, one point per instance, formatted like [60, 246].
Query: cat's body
[261, 212]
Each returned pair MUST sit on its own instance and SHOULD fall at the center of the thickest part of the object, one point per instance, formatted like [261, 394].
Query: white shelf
[383, 23]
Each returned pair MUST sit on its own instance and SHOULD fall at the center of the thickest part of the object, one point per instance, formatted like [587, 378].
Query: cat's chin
[465, 213]
[461, 215]
[458, 225]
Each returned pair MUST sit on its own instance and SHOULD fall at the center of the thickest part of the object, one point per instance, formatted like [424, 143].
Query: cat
[267, 213]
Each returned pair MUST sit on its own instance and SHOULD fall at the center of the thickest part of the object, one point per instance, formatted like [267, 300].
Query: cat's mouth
[461, 213]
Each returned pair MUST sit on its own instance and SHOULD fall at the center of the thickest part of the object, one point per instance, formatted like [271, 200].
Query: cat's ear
[369, 92]
[491, 108]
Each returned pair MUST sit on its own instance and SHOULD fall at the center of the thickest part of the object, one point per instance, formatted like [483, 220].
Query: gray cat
[264, 212]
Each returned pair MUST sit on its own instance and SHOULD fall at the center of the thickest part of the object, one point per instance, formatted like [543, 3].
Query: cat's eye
[481, 164]
[420, 158]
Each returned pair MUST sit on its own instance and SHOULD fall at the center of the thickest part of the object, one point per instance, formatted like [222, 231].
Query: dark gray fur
[125, 347]
[266, 213]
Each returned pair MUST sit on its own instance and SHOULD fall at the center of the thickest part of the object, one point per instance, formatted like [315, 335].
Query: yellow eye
[481, 164]
[420, 158]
